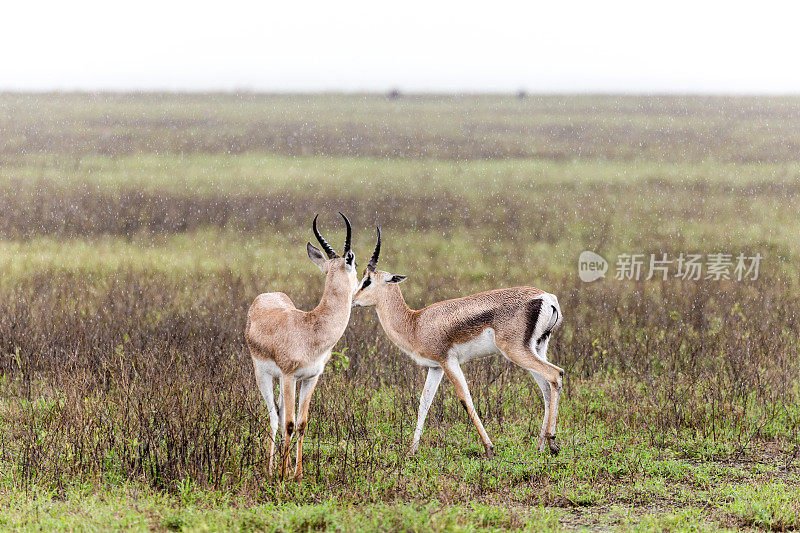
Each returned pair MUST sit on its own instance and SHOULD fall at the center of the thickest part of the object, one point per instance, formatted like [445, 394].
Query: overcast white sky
[597, 46]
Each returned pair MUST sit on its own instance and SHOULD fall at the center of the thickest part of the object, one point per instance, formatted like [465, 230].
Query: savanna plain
[135, 231]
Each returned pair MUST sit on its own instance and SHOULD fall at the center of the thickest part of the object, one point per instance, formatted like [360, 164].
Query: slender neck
[396, 317]
[335, 303]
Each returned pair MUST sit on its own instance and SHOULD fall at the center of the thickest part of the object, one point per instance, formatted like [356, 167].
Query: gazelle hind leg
[529, 359]
[544, 386]
[306, 390]
[288, 384]
[551, 432]
[541, 350]
[426, 399]
[265, 385]
[453, 370]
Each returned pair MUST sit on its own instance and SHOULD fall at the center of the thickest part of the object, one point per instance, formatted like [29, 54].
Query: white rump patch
[548, 319]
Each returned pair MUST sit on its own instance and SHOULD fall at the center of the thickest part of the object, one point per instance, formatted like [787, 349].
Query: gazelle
[293, 345]
[516, 323]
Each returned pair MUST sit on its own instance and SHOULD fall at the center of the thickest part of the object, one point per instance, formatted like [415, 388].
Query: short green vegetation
[137, 229]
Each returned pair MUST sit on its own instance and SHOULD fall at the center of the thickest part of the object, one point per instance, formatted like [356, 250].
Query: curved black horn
[373, 261]
[323, 242]
[349, 231]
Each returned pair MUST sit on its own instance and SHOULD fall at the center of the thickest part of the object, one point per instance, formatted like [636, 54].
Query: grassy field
[137, 229]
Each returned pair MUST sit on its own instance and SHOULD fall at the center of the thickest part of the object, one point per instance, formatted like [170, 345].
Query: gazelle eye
[366, 283]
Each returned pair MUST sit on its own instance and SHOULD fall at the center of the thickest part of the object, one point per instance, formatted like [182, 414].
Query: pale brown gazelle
[516, 323]
[293, 345]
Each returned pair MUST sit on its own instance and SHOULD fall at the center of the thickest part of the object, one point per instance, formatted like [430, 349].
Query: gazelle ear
[395, 278]
[316, 256]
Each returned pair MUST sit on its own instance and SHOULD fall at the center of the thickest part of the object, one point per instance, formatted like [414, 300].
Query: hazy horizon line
[400, 93]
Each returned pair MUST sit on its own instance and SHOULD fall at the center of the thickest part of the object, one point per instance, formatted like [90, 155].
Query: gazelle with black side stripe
[293, 345]
[516, 323]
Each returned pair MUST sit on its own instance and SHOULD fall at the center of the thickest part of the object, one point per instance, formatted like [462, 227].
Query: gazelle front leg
[288, 384]
[306, 390]
[428, 393]
[265, 386]
[453, 370]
